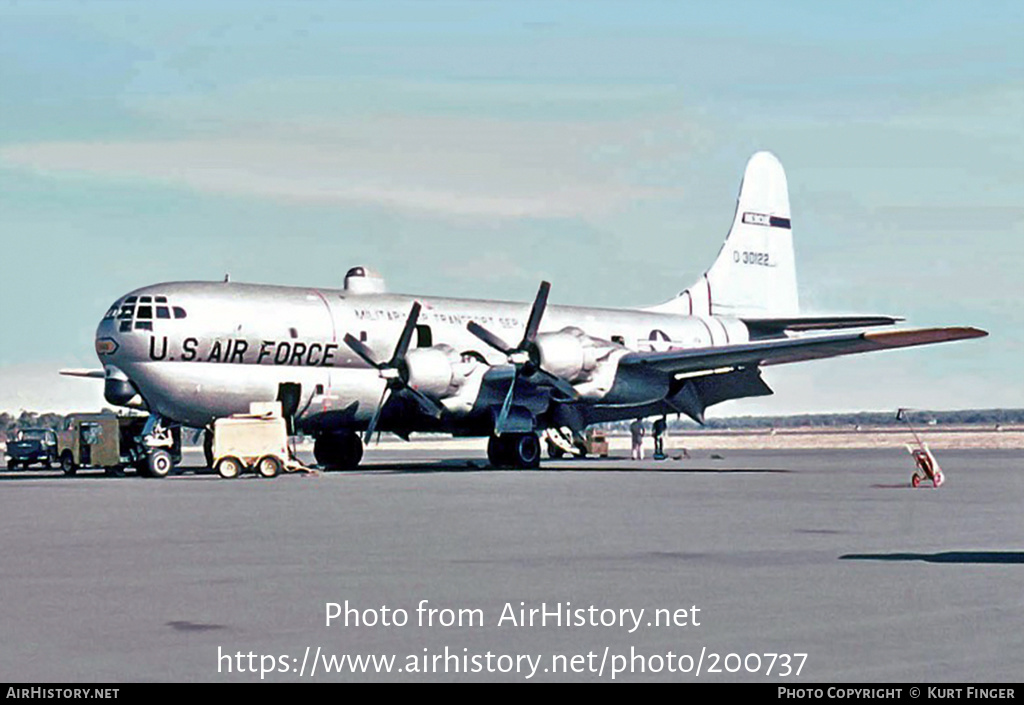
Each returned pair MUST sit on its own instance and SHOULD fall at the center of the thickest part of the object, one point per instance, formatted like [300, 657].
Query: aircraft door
[340, 320]
[290, 395]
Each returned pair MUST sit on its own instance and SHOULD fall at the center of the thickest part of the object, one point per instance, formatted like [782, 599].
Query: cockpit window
[139, 312]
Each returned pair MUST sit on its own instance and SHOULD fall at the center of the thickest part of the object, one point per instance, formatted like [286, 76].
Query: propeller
[394, 371]
[525, 357]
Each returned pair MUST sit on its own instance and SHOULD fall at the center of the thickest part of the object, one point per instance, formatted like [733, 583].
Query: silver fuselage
[215, 347]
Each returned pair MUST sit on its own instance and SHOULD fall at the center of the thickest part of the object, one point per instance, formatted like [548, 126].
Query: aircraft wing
[782, 351]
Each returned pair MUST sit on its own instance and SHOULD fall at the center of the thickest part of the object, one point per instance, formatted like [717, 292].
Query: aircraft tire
[321, 450]
[67, 463]
[338, 451]
[268, 466]
[159, 464]
[554, 452]
[514, 450]
[497, 451]
[354, 450]
[525, 450]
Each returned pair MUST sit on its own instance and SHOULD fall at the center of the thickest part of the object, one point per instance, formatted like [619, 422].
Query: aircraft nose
[117, 387]
[106, 339]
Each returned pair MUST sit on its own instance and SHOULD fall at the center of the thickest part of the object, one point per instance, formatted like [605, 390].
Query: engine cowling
[437, 371]
[570, 354]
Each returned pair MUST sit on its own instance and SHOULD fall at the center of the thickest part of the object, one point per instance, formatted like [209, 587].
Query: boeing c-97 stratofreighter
[359, 359]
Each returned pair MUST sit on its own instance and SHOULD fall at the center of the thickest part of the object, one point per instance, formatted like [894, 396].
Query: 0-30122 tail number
[758, 258]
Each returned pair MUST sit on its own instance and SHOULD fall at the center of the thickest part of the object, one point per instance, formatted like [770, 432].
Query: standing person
[636, 432]
[659, 438]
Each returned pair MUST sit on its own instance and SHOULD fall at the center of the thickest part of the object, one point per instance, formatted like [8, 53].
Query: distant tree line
[27, 419]
[877, 418]
[965, 417]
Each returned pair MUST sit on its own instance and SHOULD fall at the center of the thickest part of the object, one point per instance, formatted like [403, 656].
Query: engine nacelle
[570, 354]
[699, 332]
[437, 372]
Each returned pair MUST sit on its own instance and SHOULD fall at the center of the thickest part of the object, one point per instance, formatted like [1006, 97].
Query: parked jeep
[32, 445]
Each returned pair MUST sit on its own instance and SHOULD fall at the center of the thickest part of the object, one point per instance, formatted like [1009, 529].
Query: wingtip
[966, 332]
[924, 336]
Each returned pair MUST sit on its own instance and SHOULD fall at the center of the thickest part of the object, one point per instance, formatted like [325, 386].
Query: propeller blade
[393, 371]
[488, 337]
[402, 346]
[376, 414]
[362, 350]
[499, 425]
[560, 384]
[428, 405]
[536, 313]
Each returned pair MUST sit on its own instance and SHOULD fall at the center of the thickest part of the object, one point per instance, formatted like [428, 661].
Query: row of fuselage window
[142, 310]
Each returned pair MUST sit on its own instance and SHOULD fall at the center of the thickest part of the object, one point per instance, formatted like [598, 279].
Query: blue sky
[474, 148]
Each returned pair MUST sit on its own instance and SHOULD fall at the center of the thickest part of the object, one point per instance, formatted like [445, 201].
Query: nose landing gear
[159, 448]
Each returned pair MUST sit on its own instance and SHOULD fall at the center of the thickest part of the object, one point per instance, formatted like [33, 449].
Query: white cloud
[454, 167]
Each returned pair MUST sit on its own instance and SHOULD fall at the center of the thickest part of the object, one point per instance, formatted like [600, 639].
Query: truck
[102, 440]
[257, 441]
[32, 445]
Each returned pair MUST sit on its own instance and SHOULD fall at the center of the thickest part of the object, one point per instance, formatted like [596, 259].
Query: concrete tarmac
[826, 553]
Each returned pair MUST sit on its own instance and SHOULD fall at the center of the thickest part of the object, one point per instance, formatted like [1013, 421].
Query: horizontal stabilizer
[93, 374]
[766, 327]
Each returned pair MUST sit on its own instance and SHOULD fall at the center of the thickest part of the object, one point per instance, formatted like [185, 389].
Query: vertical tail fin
[755, 272]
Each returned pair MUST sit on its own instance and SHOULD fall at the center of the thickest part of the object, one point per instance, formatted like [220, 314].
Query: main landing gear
[343, 451]
[338, 451]
[514, 450]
